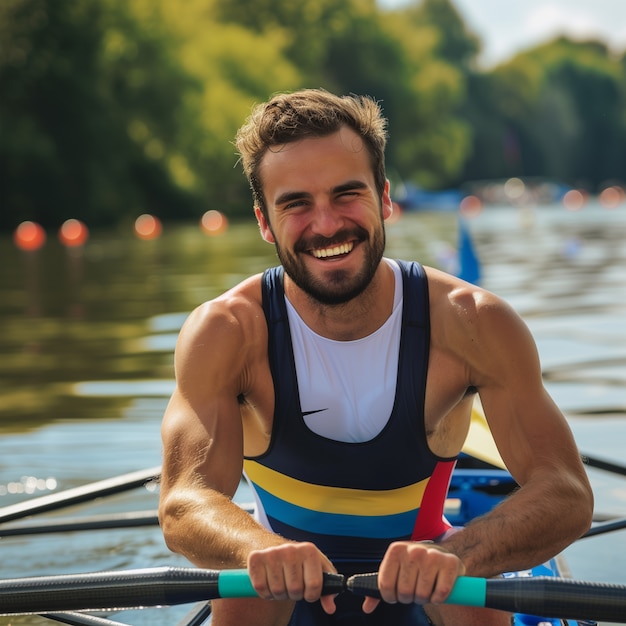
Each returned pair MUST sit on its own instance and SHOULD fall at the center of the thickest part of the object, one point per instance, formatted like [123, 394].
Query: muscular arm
[202, 435]
[477, 341]
[221, 357]
[554, 504]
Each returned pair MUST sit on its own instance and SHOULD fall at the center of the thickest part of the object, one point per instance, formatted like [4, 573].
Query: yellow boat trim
[479, 442]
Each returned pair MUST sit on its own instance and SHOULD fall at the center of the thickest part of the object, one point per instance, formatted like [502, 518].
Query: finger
[423, 586]
[370, 604]
[258, 577]
[272, 574]
[444, 585]
[387, 581]
[313, 579]
[415, 581]
[294, 581]
[328, 604]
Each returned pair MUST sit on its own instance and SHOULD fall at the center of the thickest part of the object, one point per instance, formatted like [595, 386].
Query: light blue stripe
[375, 527]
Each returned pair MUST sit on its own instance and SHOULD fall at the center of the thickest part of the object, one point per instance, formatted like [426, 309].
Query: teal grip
[468, 591]
[235, 583]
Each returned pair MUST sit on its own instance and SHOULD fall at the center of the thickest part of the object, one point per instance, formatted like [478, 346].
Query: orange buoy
[213, 222]
[147, 227]
[73, 233]
[470, 206]
[611, 197]
[574, 200]
[29, 236]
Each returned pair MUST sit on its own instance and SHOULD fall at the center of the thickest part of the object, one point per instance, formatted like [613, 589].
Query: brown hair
[307, 113]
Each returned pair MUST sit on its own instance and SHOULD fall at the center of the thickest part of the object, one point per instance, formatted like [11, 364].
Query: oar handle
[467, 591]
[235, 583]
[160, 586]
[544, 596]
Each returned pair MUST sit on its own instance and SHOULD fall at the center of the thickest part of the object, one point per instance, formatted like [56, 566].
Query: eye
[349, 194]
[294, 205]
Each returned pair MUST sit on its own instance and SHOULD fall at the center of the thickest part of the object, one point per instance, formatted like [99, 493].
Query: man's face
[325, 216]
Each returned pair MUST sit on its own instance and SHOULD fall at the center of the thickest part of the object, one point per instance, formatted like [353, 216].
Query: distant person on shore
[341, 383]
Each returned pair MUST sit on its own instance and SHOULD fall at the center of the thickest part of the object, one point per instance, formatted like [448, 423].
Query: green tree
[588, 80]
[233, 67]
[429, 138]
[354, 47]
[73, 76]
[307, 26]
[455, 43]
[555, 111]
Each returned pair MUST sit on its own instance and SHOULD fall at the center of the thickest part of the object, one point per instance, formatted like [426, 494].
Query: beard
[337, 286]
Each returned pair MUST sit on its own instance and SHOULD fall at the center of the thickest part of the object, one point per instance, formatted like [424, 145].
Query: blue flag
[469, 263]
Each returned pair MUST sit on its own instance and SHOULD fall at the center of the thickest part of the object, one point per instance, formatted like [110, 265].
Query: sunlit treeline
[118, 108]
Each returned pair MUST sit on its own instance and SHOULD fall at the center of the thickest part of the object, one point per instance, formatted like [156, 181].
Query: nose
[326, 219]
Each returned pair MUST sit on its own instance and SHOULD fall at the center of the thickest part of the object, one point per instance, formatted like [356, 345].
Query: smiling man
[341, 383]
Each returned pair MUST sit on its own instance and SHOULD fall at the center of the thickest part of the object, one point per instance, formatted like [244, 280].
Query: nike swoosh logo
[305, 413]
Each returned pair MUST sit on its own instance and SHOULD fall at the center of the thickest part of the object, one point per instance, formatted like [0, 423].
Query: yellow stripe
[336, 499]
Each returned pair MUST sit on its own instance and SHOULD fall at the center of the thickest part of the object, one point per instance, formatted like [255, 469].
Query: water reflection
[85, 326]
[96, 313]
[87, 343]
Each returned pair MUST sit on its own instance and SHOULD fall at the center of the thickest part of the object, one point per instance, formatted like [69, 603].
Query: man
[342, 383]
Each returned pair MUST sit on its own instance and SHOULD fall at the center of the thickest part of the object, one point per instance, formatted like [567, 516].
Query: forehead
[315, 158]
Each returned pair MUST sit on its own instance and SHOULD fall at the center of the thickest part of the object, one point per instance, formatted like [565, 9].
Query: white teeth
[344, 248]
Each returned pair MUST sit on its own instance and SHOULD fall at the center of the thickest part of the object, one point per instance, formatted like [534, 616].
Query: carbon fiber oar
[159, 586]
[77, 495]
[543, 596]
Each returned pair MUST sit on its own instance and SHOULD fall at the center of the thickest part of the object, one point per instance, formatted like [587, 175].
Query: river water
[86, 338]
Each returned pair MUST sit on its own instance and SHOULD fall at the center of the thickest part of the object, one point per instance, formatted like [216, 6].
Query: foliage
[555, 111]
[119, 107]
[73, 76]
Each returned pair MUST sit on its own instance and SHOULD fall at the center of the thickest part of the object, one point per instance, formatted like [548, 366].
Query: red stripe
[430, 522]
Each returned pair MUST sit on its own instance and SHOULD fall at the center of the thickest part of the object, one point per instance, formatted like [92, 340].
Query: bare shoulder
[233, 311]
[479, 326]
[462, 303]
[223, 334]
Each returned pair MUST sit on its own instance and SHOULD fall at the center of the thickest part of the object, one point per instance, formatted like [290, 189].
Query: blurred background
[115, 108]
[122, 207]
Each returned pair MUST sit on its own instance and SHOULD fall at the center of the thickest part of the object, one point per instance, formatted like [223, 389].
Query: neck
[351, 320]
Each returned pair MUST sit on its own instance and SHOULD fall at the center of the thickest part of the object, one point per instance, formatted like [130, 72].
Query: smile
[324, 253]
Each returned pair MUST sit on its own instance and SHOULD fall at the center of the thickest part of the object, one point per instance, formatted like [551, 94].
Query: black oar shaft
[543, 596]
[92, 522]
[605, 527]
[78, 494]
[159, 586]
[607, 466]
[80, 619]
[106, 521]
[558, 597]
[107, 590]
[96, 591]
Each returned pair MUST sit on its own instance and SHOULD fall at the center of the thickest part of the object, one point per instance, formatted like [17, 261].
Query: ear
[264, 226]
[387, 204]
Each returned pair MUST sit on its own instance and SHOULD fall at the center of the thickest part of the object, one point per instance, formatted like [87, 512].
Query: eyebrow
[290, 196]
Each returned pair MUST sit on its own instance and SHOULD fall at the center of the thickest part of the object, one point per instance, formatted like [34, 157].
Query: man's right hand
[291, 571]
